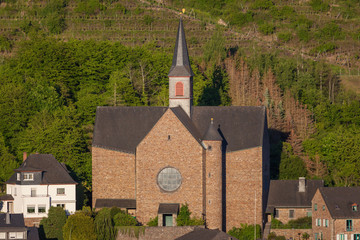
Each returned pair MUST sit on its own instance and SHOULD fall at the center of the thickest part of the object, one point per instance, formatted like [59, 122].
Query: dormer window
[354, 207]
[18, 176]
[28, 177]
[179, 89]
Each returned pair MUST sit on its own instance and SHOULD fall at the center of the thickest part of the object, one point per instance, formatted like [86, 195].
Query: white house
[40, 182]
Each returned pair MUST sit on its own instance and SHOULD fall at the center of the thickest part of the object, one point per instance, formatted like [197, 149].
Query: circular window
[169, 179]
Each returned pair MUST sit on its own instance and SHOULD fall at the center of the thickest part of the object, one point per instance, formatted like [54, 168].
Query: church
[150, 160]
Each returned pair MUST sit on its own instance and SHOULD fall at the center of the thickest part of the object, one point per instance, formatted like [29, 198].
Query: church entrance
[168, 220]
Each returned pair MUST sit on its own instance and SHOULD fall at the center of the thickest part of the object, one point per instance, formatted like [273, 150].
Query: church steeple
[180, 65]
[180, 74]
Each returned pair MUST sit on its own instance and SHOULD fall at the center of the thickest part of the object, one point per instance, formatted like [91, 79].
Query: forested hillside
[61, 58]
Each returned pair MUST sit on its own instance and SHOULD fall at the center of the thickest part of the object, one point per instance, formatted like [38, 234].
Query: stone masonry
[116, 176]
[168, 144]
[284, 214]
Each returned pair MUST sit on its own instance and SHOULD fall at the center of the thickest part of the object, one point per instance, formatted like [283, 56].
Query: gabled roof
[16, 222]
[123, 128]
[206, 234]
[285, 193]
[339, 201]
[180, 65]
[53, 171]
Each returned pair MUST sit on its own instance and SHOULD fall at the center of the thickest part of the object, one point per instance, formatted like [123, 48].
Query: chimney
[302, 184]
[7, 220]
[24, 156]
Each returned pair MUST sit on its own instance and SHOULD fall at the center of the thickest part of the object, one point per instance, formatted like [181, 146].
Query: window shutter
[324, 222]
[352, 237]
[337, 237]
[345, 236]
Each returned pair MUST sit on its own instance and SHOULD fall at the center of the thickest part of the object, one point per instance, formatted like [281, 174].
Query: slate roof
[16, 222]
[120, 203]
[53, 171]
[33, 233]
[339, 201]
[180, 65]
[212, 134]
[206, 234]
[285, 193]
[123, 128]
[6, 197]
[168, 208]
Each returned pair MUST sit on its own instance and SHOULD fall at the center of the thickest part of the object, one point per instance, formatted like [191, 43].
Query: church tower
[181, 75]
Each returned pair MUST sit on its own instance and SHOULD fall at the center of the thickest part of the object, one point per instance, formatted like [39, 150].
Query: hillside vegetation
[62, 58]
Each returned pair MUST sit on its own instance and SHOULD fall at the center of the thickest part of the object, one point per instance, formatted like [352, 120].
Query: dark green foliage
[319, 5]
[291, 166]
[305, 236]
[5, 44]
[53, 224]
[284, 36]
[54, 14]
[267, 28]
[330, 31]
[114, 211]
[245, 232]
[153, 222]
[300, 223]
[239, 18]
[88, 7]
[282, 13]
[184, 217]
[124, 219]
[272, 236]
[104, 226]
[262, 4]
[79, 227]
[7, 161]
[148, 20]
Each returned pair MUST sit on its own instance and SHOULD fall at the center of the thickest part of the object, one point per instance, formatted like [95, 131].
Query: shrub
[153, 222]
[240, 19]
[284, 36]
[184, 217]
[319, 5]
[305, 236]
[245, 232]
[330, 31]
[323, 48]
[124, 219]
[267, 28]
[5, 44]
[300, 223]
[79, 227]
[303, 33]
[54, 223]
[114, 211]
[148, 20]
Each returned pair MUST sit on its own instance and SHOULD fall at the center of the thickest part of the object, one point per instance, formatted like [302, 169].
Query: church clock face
[169, 179]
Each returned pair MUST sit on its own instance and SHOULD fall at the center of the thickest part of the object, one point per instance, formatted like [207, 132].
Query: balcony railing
[35, 195]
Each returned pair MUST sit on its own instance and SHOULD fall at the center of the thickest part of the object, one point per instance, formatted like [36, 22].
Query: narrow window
[323, 207]
[33, 192]
[349, 226]
[354, 207]
[315, 207]
[179, 89]
[18, 176]
[316, 236]
[276, 213]
[291, 213]
[308, 212]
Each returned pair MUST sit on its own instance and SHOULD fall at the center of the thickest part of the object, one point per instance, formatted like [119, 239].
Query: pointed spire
[181, 65]
[212, 133]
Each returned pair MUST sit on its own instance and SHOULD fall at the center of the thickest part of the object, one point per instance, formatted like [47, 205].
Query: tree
[53, 224]
[79, 227]
[124, 219]
[104, 226]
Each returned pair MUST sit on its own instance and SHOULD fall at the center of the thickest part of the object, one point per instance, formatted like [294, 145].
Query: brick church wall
[244, 177]
[321, 214]
[168, 144]
[113, 174]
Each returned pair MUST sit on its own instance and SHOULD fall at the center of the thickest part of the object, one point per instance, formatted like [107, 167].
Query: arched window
[179, 89]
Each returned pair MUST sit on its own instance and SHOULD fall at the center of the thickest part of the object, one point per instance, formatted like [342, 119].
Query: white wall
[46, 195]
